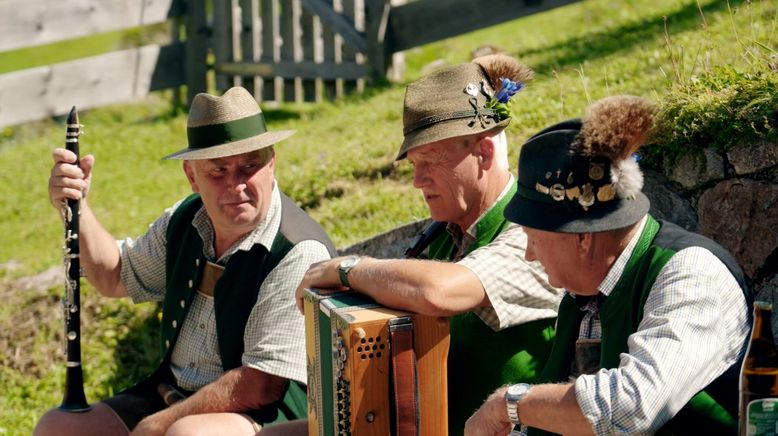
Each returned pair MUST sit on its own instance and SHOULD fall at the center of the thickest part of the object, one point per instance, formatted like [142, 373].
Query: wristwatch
[513, 396]
[344, 267]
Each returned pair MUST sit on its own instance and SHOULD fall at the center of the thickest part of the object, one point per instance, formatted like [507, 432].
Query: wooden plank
[328, 38]
[27, 23]
[115, 77]
[222, 40]
[196, 69]
[305, 69]
[331, 17]
[270, 53]
[424, 21]
[247, 41]
[290, 29]
[309, 39]
[377, 18]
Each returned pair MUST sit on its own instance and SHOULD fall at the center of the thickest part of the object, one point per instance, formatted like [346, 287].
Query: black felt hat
[582, 176]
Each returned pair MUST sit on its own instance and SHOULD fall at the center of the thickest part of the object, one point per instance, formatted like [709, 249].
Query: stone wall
[731, 197]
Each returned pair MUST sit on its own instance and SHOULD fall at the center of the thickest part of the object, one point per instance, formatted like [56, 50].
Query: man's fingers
[63, 155]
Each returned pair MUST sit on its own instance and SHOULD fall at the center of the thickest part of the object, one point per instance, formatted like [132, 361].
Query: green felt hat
[582, 176]
[226, 126]
[461, 100]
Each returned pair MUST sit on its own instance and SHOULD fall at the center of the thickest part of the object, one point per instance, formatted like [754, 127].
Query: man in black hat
[653, 328]
[502, 308]
[225, 262]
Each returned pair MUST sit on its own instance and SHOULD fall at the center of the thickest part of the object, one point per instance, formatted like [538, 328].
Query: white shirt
[694, 327]
[274, 338]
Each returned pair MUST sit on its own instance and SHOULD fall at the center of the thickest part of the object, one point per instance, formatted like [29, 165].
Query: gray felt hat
[459, 100]
[226, 126]
[581, 176]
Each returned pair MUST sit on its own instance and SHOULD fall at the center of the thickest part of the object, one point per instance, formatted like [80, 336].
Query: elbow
[436, 300]
[256, 389]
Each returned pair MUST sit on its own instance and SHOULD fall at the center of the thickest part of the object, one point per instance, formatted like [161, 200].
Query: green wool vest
[480, 359]
[713, 410]
[236, 291]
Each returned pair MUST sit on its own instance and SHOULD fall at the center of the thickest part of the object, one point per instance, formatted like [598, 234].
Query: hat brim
[556, 217]
[440, 131]
[232, 148]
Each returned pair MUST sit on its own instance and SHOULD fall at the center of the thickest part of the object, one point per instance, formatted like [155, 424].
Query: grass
[339, 165]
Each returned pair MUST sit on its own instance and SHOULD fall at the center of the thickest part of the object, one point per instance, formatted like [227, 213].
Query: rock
[695, 169]
[748, 158]
[388, 245]
[742, 215]
[667, 204]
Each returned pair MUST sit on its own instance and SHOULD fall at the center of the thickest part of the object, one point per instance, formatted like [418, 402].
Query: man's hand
[491, 419]
[68, 181]
[320, 275]
[153, 425]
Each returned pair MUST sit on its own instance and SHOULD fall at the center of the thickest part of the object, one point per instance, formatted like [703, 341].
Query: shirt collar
[607, 285]
[471, 235]
[263, 234]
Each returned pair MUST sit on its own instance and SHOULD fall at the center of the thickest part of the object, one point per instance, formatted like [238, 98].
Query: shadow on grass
[137, 353]
[573, 52]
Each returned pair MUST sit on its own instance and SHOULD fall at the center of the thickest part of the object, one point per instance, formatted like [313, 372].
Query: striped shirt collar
[263, 234]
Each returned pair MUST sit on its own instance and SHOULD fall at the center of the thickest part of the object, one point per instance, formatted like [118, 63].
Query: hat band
[532, 194]
[434, 119]
[231, 131]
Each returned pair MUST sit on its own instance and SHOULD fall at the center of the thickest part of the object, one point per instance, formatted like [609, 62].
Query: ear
[484, 151]
[190, 175]
[585, 242]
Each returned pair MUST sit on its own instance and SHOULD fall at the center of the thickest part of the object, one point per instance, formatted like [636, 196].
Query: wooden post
[222, 40]
[196, 49]
[378, 52]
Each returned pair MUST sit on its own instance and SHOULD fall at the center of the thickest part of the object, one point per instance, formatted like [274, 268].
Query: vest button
[197, 262]
[167, 343]
[183, 304]
[190, 284]
[174, 323]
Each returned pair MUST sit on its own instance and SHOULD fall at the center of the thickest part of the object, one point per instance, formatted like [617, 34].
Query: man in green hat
[224, 262]
[654, 325]
[502, 307]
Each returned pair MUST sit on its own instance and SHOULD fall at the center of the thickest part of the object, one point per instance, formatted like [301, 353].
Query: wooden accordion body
[351, 369]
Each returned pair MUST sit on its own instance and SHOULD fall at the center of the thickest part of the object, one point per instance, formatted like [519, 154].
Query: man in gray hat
[652, 331]
[225, 262]
[502, 307]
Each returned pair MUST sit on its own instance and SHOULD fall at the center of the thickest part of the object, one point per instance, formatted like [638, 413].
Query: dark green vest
[480, 359]
[235, 292]
[713, 410]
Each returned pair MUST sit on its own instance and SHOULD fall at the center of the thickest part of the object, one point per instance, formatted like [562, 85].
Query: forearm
[550, 407]
[99, 255]
[236, 391]
[428, 287]
[553, 407]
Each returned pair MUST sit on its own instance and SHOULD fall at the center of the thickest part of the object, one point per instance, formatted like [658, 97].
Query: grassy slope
[339, 165]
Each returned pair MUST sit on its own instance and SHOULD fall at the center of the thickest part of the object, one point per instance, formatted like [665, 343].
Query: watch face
[348, 263]
[518, 390]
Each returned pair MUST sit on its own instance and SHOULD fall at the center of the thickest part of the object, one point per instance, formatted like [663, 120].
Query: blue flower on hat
[508, 89]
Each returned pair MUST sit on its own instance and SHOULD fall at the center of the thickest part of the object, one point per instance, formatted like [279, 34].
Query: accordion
[373, 370]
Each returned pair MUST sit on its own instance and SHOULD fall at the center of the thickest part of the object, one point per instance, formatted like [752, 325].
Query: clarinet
[74, 400]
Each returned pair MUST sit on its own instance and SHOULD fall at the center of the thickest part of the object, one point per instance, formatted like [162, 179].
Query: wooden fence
[282, 50]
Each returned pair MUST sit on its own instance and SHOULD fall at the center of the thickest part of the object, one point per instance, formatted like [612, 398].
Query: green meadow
[339, 165]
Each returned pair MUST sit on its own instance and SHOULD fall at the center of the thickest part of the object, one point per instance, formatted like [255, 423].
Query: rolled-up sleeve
[518, 290]
[694, 327]
[275, 331]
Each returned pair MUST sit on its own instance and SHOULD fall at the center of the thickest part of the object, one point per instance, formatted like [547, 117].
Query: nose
[420, 178]
[237, 181]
